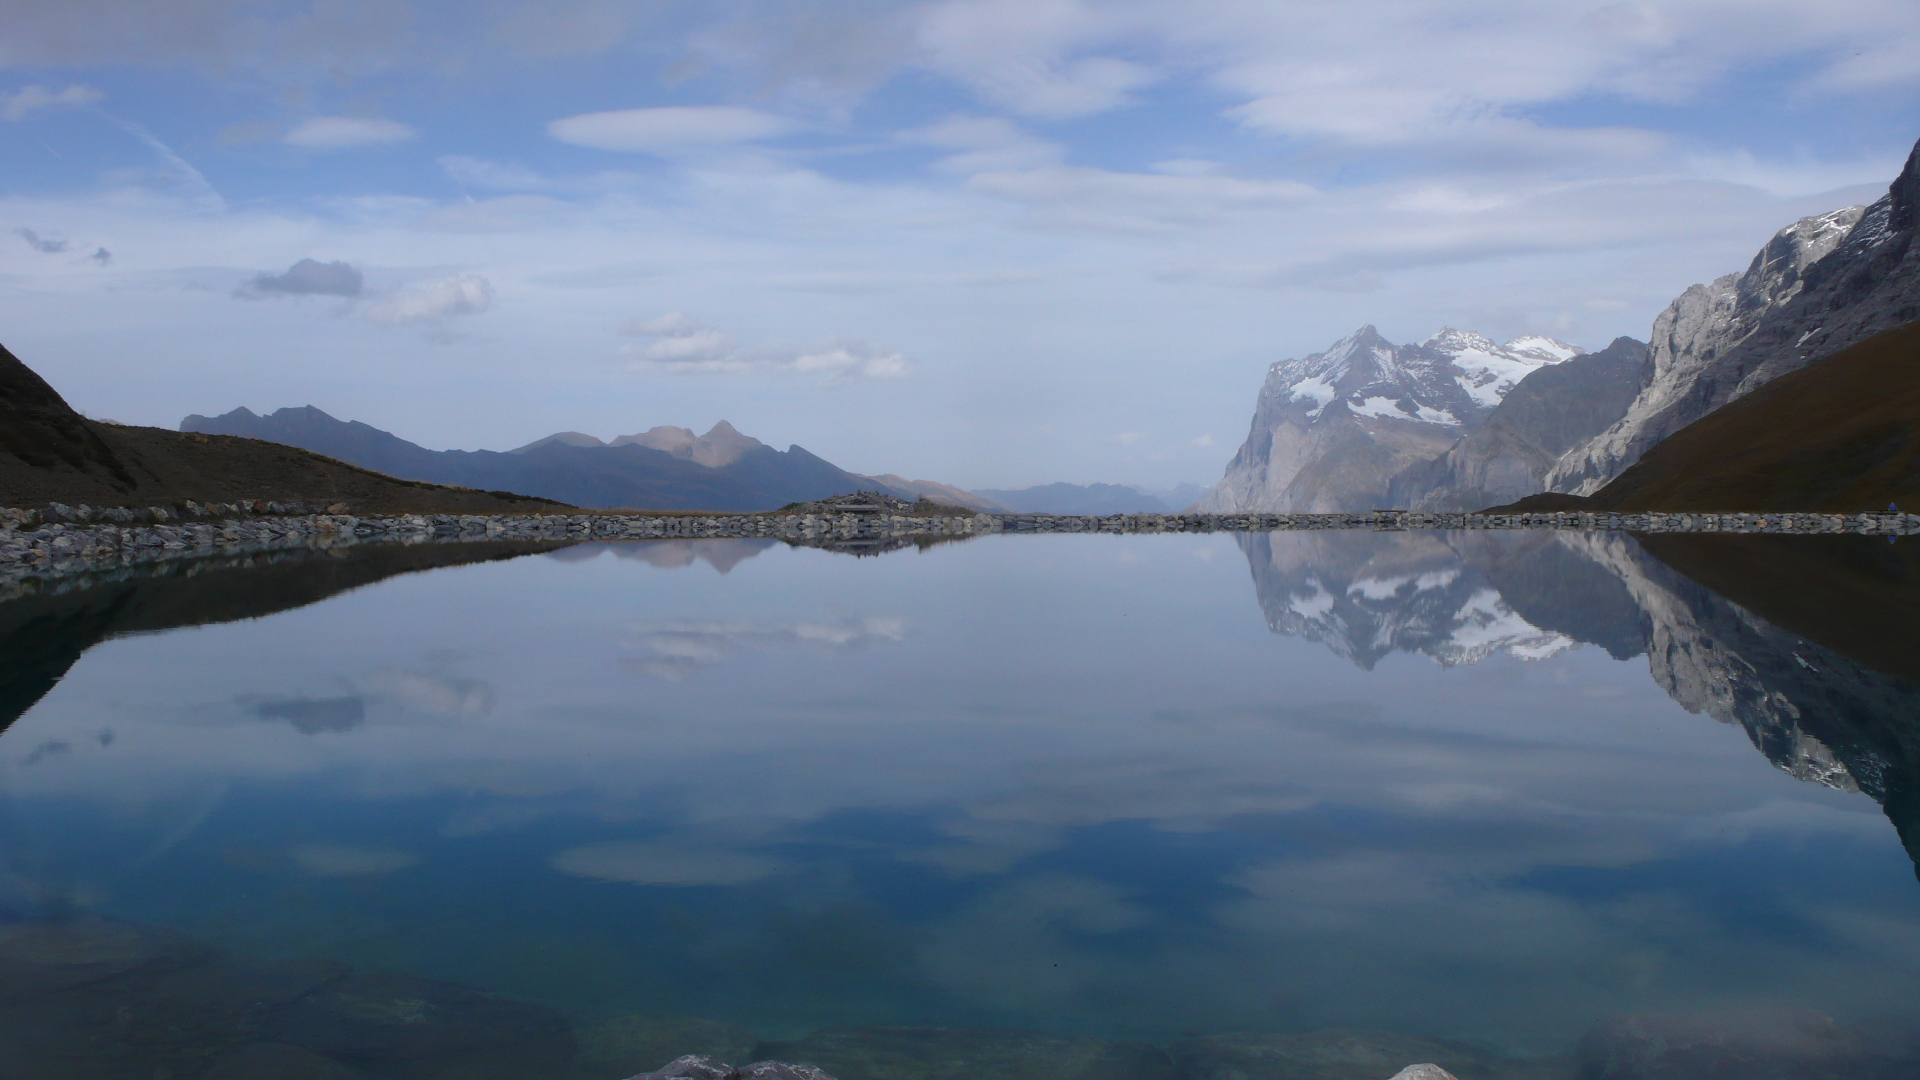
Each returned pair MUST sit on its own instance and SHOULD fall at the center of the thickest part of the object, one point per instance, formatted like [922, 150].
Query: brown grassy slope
[1839, 435]
[1855, 595]
[50, 453]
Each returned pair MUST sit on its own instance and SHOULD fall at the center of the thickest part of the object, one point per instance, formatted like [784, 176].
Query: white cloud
[468, 294]
[32, 99]
[984, 144]
[475, 172]
[1021, 54]
[668, 128]
[334, 860]
[676, 649]
[663, 864]
[342, 132]
[683, 346]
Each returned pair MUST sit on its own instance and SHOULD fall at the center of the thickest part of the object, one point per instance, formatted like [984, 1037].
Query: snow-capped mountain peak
[1488, 371]
[1546, 349]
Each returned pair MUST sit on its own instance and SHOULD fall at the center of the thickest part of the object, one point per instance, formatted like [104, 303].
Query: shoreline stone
[65, 540]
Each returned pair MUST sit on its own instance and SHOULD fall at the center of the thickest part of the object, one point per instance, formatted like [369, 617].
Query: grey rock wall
[1820, 285]
[1545, 415]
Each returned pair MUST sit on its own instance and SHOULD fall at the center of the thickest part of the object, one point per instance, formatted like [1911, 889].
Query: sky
[986, 242]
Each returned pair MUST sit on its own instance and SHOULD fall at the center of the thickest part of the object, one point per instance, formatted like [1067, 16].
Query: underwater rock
[90, 999]
[700, 1067]
[374, 1018]
[969, 1054]
[1335, 1055]
[624, 1045]
[1424, 1072]
[1762, 1044]
[278, 1061]
[692, 1067]
[43, 958]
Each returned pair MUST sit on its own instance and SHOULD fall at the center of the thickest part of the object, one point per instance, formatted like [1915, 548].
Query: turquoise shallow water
[1491, 789]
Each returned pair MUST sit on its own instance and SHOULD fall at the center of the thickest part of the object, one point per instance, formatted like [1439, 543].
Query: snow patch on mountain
[1331, 429]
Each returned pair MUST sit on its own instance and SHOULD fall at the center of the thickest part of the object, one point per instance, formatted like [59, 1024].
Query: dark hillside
[1840, 435]
[50, 453]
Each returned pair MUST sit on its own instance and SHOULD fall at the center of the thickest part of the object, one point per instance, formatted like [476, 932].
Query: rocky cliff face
[1331, 430]
[1546, 414]
[1820, 285]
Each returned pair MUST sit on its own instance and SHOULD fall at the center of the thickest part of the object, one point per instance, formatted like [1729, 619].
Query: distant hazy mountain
[1331, 430]
[661, 469]
[1545, 414]
[945, 494]
[717, 448]
[1092, 499]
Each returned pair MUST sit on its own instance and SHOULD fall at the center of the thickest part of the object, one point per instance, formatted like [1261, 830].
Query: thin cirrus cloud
[345, 132]
[669, 128]
[32, 99]
[677, 344]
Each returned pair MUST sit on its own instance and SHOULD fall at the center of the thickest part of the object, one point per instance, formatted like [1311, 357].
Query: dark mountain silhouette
[574, 468]
[50, 453]
[41, 636]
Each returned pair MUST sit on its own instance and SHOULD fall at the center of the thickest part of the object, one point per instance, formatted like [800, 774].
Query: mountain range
[1367, 424]
[665, 468]
[49, 453]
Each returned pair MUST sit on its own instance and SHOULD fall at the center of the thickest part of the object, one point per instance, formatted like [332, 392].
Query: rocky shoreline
[63, 539]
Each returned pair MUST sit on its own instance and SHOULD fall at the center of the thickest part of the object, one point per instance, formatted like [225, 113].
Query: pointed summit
[723, 445]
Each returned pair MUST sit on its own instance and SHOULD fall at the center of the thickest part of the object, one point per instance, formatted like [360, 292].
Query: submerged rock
[970, 1054]
[1764, 1044]
[377, 1019]
[698, 1067]
[97, 1000]
[624, 1044]
[1338, 1055]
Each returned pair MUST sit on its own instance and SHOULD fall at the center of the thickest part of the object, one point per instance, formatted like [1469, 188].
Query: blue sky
[988, 242]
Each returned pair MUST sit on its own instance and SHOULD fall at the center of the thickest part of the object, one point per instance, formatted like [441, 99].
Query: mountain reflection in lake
[1061, 798]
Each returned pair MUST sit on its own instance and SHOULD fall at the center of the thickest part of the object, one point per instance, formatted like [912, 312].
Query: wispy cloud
[668, 128]
[343, 132]
[31, 99]
[450, 297]
[680, 345]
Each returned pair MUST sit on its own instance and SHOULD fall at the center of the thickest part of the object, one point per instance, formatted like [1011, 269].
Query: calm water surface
[1493, 789]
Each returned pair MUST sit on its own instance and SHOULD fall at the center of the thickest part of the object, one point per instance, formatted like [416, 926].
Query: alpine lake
[1265, 806]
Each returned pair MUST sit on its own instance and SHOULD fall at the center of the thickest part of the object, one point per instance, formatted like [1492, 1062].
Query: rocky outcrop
[696, 1067]
[1331, 430]
[1545, 414]
[1820, 285]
